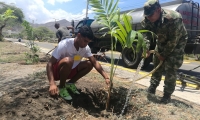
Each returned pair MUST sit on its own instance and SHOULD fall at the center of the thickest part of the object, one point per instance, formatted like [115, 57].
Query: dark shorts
[56, 72]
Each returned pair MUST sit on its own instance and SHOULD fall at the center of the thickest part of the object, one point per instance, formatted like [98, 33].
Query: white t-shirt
[66, 48]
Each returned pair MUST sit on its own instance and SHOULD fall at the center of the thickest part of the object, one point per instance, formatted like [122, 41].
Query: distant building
[9, 32]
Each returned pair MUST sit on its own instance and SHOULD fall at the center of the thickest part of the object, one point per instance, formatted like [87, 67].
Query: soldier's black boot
[152, 89]
[166, 98]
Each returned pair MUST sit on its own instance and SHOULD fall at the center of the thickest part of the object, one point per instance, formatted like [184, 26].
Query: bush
[32, 56]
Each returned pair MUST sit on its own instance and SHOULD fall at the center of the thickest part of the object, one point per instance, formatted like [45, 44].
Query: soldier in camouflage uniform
[62, 32]
[170, 43]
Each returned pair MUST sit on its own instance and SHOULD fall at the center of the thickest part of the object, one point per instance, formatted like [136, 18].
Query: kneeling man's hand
[108, 82]
[53, 89]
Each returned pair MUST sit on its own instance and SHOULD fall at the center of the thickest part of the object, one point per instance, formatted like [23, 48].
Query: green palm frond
[127, 22]
[126, 36]
[106, 12]
[131, 38]
[152, 33]
[122, 29]
[144, 49]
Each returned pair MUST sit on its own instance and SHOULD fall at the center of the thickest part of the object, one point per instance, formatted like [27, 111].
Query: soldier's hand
[161, 58]
[147, 54]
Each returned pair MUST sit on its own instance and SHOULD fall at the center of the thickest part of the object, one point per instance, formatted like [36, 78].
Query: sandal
[72, 88]
[64, 94]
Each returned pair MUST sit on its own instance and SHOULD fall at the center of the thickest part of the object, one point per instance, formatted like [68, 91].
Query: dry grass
[15, 53]
[11, 52]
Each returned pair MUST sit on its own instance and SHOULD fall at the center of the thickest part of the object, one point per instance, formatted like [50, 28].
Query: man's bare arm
[50, 70]
[99, 68]
[72, 28]
[53, 89]
[59, 39]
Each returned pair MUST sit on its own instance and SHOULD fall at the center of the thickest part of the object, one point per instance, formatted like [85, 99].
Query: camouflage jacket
[171, 33]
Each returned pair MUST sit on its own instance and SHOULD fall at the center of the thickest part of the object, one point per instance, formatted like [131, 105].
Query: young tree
[4, 18]
[108, 15]
[119, 27]
[32, 56]
[8, 20]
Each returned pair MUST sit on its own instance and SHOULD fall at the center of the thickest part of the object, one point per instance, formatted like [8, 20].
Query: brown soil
[24, 95]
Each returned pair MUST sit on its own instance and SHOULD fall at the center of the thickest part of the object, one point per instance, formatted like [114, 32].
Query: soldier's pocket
[161, 38]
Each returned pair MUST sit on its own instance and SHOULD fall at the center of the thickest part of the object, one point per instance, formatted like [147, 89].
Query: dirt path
[14, 75]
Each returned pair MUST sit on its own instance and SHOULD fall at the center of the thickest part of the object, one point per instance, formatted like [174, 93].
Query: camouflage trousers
[170, 66]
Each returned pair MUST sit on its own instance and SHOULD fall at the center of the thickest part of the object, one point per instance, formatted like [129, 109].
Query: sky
[42, 11]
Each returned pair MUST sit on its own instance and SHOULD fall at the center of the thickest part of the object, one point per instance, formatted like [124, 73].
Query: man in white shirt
[66, 63]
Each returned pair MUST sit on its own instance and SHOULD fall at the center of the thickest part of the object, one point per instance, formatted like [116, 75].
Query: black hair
[86, 31]
[57, 25]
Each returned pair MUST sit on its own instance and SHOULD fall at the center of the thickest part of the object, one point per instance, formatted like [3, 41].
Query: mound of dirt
[33, 101]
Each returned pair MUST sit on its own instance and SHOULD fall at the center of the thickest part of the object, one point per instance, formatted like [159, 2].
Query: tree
[42, 33]
[32, 56]
[4, 18]
[28, 29]
[108, 15]
[16, 12]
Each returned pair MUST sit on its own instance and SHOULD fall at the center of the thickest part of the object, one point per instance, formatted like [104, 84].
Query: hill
[50, 25]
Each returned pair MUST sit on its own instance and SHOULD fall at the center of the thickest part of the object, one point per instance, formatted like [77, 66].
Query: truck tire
[94, 50]
[129, 59]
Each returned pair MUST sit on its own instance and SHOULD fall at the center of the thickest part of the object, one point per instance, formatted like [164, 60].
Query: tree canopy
[16, 11]
[42, 33]
[9, 15]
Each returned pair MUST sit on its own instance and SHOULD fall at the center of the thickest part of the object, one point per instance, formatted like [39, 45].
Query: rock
[35, 95]
[29, 101]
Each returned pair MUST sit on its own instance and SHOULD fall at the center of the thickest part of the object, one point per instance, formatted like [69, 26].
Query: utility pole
[87, 9]
[33, 22]
[55, 19]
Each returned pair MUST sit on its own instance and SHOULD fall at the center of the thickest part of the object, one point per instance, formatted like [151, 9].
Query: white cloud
[121, 2]
[34, 11]
[61, 1]
[52, 2]
[89, 11]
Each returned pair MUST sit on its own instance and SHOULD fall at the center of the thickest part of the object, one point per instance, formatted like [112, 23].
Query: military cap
[150, 6]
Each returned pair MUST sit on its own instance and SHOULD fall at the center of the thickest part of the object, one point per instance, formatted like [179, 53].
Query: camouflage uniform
[170, 43]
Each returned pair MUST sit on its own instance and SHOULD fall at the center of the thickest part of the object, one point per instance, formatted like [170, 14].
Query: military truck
[190, 13]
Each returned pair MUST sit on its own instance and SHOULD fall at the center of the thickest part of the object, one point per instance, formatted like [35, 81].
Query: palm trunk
[111, 77]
